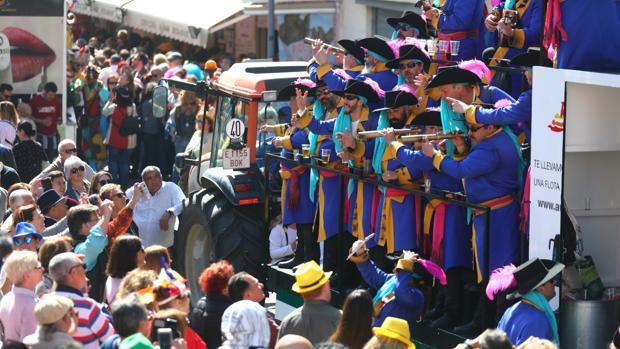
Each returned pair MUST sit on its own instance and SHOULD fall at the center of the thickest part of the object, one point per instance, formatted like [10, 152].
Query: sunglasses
[119, 195]
[70, 151]
[77, 169]
[25, 240]
[350, 97]
[409, 65]
[104, 182]
[404, 27]
[321, 93]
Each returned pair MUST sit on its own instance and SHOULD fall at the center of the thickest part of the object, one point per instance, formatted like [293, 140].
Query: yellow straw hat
[395, 328]
[310, 276]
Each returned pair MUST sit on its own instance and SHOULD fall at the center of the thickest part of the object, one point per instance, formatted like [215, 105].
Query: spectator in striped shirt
[69, 273]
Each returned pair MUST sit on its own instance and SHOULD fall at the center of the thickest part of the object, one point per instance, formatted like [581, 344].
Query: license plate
[237, 158]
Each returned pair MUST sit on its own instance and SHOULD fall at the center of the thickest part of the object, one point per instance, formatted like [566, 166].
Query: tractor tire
[211, 229]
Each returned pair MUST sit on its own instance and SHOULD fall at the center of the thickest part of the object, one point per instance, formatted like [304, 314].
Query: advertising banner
[32, 44]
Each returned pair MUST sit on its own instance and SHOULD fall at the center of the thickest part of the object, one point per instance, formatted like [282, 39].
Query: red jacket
[116, 120]
[44, 109]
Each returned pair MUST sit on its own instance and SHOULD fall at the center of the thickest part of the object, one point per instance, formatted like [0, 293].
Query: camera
[167, 323]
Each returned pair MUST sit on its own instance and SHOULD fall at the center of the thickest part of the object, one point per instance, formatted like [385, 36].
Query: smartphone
[46, 183]
[164, 337]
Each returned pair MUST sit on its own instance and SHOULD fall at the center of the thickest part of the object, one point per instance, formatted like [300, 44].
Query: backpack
[130, 124]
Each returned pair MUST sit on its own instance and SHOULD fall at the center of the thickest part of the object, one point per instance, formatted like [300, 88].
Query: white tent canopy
[184, 20]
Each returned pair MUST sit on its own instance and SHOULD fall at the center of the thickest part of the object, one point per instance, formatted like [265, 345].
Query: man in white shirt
[155, 212]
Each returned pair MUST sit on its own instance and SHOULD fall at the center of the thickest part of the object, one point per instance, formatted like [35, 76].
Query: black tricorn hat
[453, 75]
[413, 19]
[377, 46]
[396, 99]
[406, 52]
[533, 274]
[289, 91]
[429, 117]
[352, 48]
[530, 59]
[358, 88]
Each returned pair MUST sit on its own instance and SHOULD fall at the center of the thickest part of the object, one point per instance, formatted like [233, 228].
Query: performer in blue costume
[517, 114]
[458, 20]
[378, 52]
[352, 63]
[399, 294]
[297, 206]
[451, 239]
[409, 25]
[585, 35]
[397, 210]
[511, 41]
[353, 117]
[534, 283]
[413, 65]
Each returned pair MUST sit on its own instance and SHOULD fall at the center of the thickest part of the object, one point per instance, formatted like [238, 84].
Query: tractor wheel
[212, 229]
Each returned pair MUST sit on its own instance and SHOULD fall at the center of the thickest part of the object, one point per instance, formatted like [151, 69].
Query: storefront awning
[105, 9]
[189, 21]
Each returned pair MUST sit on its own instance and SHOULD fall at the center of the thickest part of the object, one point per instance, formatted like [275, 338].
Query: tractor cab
[225, 213]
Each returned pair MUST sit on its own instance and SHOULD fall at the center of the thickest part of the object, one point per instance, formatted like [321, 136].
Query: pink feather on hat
[501, 279]
[477, 67]
[375, 86]
[395, 46]
[405, 87]
[434, 270]
[305, 82]
[342, 73]
[502, 103]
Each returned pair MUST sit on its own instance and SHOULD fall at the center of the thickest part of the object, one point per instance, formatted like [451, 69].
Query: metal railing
[452, 198]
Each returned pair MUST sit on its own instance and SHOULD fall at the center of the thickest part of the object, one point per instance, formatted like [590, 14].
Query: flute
[430, 137]
[376, 134]
[333, 48]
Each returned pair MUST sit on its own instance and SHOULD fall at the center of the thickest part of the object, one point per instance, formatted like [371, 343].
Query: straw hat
[309, 277]
[395, 328]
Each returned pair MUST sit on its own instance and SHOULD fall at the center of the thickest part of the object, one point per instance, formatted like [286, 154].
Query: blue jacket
[518, 112]
[408, 300]
[522, 321]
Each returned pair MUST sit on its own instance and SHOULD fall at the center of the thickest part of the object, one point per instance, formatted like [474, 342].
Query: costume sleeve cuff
[286, 143]
[405, 264]
[392, 150]
[322, 70]
[360, 259]
[437, 159]
[279, 130]
[304, 120]
[518, 38]
[470, 115]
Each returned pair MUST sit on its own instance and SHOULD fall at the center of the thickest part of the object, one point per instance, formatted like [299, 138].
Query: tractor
[226, 214]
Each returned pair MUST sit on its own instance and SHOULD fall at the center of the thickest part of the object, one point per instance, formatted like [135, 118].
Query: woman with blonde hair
[9, 119]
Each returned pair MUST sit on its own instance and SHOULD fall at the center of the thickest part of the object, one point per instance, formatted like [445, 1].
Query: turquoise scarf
[380, 144]
[509, 4]
[318, 111]
[386, 289]
[541, 302]
[521, 162]
[450, 122]
[343, 123]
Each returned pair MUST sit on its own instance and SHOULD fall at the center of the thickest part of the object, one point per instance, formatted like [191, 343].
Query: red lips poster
[32, 32]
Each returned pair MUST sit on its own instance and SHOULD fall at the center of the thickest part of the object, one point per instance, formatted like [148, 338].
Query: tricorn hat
[413, 19]
[378, 47]
[429, 117]
[530, 59]
[352, 48]
[533, 274]
[396, 99]
[454, 75]
[358, 88]
[302, 84]
[407, 52]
